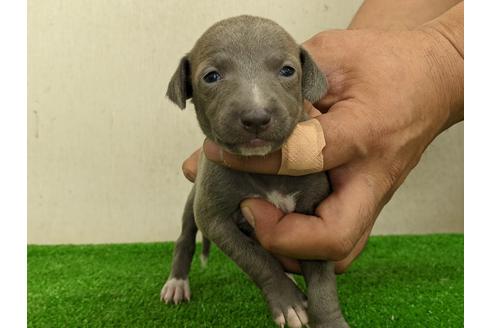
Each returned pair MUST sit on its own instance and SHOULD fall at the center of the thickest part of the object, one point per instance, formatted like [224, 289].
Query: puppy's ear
[179, 88]
[314, 84]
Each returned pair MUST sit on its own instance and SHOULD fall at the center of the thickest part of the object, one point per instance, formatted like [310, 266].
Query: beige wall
[105, 147]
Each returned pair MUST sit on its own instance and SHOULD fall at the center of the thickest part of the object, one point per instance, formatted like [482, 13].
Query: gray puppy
[247, 78]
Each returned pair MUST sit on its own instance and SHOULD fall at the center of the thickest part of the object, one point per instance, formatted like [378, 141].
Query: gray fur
[248, 52]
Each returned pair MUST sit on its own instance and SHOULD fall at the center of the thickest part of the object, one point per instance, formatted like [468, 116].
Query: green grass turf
[399, 281]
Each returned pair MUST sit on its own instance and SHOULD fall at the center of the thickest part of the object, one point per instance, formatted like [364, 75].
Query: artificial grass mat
[399, 281]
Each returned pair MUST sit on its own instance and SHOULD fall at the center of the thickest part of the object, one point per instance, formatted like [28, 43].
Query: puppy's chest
[221, 190]
[282, 200]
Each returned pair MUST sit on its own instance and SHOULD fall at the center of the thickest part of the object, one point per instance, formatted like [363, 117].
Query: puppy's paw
[294, 316]
[289, 308]
[176, 290]
[203, 260]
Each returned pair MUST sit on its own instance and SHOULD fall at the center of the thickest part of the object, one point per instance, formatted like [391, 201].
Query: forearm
[398, 14]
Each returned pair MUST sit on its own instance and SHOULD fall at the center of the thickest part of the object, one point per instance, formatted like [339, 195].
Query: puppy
[247, 78]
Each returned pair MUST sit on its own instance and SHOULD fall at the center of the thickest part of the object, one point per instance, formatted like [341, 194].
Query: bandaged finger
[303, 152]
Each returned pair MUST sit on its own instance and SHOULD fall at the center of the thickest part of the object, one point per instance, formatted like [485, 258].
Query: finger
[345, 135]
[341, 220]
[290, 265]
[190, 165]
[343, 265]
[269, 222]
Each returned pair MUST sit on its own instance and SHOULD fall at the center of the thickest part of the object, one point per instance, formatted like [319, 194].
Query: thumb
[263, 216]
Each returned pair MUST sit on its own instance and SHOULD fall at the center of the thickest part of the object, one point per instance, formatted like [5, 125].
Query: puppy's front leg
[177, 287]
[323, 306]
[286, 301]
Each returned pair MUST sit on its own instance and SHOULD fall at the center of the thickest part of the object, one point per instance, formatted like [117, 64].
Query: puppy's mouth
[254, 147]
[256, 143]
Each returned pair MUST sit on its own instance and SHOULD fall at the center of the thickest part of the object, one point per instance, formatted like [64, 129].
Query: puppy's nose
[256, 121]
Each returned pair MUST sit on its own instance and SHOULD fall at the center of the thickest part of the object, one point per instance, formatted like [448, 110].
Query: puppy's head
[248, 79]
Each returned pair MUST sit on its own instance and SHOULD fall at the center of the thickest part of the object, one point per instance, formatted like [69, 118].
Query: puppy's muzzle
[255, 121]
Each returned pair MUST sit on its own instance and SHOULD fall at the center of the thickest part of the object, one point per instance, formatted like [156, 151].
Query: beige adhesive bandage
[303, 152]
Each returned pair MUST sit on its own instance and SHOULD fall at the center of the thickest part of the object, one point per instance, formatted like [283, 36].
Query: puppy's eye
[212, 77]
[287, 71]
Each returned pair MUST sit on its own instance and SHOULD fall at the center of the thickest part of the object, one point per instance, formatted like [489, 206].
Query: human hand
[391, 94]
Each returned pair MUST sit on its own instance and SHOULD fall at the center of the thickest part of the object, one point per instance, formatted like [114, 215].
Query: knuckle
[341, 246]
[376, 137]
[340, 270]
[267, 243]
[189, 168]
[318, 40]
[394, 176]
[394, 172]
[342, 266]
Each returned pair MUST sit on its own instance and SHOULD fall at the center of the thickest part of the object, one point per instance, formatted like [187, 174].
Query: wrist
[398, 14]
[443, 73]
[445, 55]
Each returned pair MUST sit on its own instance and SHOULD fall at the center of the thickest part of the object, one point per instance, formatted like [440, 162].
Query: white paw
[294, 317]
[203, 260]
[176, 290]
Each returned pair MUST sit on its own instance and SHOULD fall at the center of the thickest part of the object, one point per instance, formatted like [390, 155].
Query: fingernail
[212, 151]
[189, 175]
[248, 214]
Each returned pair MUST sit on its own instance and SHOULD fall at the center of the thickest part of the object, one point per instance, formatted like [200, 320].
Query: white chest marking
[287, 203]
